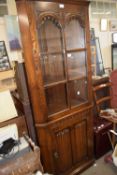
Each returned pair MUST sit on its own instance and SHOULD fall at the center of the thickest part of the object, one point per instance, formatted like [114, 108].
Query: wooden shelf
[76, 50]
[8, 87]
[52, 53]
[7, 81]
[55, 83]
[77, 78]
[6, 74]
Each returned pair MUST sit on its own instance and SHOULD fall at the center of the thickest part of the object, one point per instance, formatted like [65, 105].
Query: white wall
[11, 7]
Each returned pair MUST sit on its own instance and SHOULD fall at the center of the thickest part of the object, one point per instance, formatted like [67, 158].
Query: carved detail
[70, 120]
[78, 17]
[67, 120]
[49, 17]
[60, 133]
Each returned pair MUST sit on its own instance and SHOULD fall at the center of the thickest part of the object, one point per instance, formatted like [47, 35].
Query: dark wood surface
[63, 119]
[22, 99]
[29, 162]
[100, 80]
[24, 165]
[101, 91]
[102, 96]
[113, 53]
[101, 140]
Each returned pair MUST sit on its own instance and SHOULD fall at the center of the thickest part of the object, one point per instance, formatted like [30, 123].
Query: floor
[100, 167]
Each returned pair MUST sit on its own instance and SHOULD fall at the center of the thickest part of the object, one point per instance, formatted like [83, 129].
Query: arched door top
[49, 17]
[78, 17]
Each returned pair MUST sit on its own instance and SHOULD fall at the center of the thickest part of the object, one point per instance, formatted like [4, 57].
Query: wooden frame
[96, 55]
[20, 122]
[99, 57]
[113, 25]
[4, 59]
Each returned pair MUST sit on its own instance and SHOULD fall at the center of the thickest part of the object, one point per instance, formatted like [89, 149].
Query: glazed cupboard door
[76, 58]
[63, 56]
[53, 62]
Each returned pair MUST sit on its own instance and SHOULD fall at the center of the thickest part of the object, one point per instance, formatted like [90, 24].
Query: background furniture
[56, 45]
[20, 122]
[96, 56]
[102, 96]
[114, 56]
[113, 78]
[103, 104]
[101, 126]
[7, 80]
[101, 140]
[24, 164]
[22, 98]
[4, 59]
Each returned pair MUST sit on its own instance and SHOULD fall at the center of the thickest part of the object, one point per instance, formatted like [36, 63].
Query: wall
[105, 39]
[13, 55]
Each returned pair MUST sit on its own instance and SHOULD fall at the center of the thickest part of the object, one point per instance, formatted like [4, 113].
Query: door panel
[51, 47]
[79, 141]
[63, 155]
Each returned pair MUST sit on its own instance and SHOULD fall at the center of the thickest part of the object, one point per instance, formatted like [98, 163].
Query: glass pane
[78, 92]
[52, 68]
[50, 36]
[56, 98]
[52, 57]
[76, 64]
[99, 60]
[74, 33]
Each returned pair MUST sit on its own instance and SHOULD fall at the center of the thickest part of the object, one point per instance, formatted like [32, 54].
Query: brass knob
[56, 155]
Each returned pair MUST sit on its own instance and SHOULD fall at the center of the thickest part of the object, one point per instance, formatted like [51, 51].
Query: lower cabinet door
[79, 141]
[63, 152]
[71, 146]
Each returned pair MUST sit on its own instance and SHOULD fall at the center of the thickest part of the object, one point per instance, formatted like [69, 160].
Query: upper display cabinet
[63, 54]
